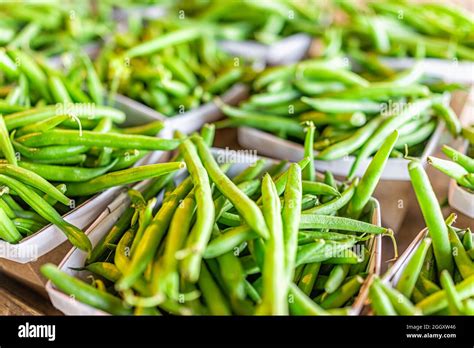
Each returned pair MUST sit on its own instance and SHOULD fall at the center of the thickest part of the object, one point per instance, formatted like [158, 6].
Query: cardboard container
[459, 197]
[188, 121]
[76, 258]
[286, 51]
[447, 70]
[393, 274]
[22, 260]
[275, 147]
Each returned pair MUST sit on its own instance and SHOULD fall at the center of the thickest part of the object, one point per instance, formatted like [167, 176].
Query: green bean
[313, 88]
[43, 125]
[449, 117]
[151, 129]
[179, 227]
[34, 180]
[438, 301]
[380, 301]
[266, 122]
[76, 159]
[330, 73]
[371, 177]
[305, 237]
[163, 41]
[432, 215]
[467, 240]
[249, 188]
[5, 145]
[291, 215]
[322, 250]
[452, 169]
[252, 293]
[409, 76]
[7, 65]
[336, 203]
[58, 90]
[8, 231]
[461, 258]
[213, 296]
[274, 272]
[412, 270]
[34, 73]
[180, 70]
[383, 91]
[113, 236]
[336, 278]
[309, 173]
[76, 236]
[122, 177]
[459, 158]
[302, 304]
[318, 188]
[228, 241]
[417, 137]
[386, 128]
[454, 302]
[351, 144]
[250, 172]
[400, 303]
[49, 152]
[270, 99]
[334, 105]
[201, 231]
[308, 277]
[64, 173]
[153, 236]
[51, 200]
[427, 285]
[23, 118]
[94, 86]
[26, 226]
[244, 205]
[84, 292]
[145, 215]
[90, 138]
[6, 208]
[355, 119]
[339, 297]
[122, 252]
[468, 133]
[105, 269]
[313, 221]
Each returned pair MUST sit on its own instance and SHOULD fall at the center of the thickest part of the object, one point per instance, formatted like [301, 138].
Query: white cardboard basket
[460, 198]
[275, 147]
[76, 258]
[447, 70]
[188, 121]
[286, 51]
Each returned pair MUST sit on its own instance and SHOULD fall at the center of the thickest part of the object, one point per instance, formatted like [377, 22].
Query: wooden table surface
[17, 299]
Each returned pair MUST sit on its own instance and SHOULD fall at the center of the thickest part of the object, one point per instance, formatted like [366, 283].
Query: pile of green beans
[61, 26]
[50, 159]
[460, 167]
[57, 137]
[438, 277]
[352, 114]
[263, 21]
[170, 68]
[271, 240]
[402, 28]
[423, 289]
[29, 81]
